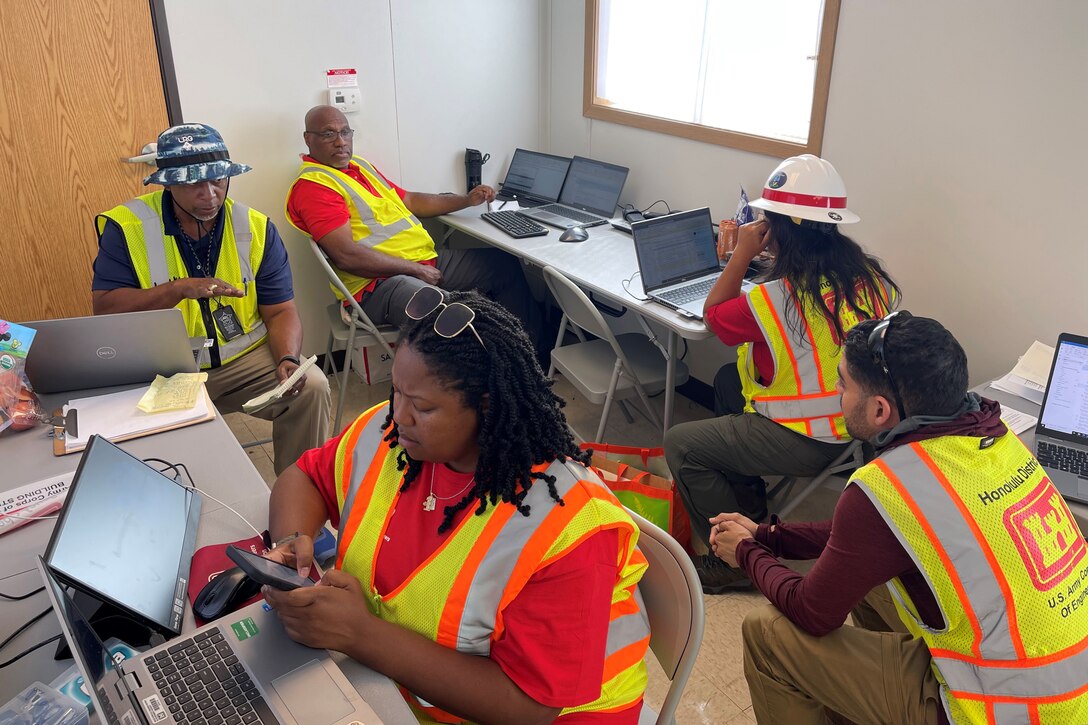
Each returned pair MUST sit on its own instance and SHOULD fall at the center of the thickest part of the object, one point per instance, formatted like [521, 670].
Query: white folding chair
[608, 368]
[851, 457]
[360, 331]
[673, 600]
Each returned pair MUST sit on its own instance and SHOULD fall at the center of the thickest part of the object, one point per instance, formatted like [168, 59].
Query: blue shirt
[113, 268]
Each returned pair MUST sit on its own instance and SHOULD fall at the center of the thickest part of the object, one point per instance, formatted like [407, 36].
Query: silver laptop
[1061, 436]
[77, 353]
[589, 196]
[533, 178]
[678, 259]
[243, 665]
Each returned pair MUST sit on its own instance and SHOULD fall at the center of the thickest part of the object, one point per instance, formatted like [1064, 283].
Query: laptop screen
[536, 175]
[593, 186]
[92, 656]
[126, 535]
[675, 248]
[1065, 406]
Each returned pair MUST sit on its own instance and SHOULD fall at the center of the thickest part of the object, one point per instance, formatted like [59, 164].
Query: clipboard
[115, 417]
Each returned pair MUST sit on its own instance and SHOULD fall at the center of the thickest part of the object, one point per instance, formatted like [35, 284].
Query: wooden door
[80, 90]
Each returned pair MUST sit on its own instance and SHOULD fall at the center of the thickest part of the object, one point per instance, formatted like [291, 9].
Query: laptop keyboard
[575, 214]
[1072, 460]
[202, 682]
[513, 224]
[684, 295]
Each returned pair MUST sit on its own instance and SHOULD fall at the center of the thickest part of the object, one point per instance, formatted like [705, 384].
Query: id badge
[227, 321]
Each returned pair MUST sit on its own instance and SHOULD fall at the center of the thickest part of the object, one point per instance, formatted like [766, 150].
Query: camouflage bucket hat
[190, 153]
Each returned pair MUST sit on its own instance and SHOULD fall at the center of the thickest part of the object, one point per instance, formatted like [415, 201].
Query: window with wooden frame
[741, 73]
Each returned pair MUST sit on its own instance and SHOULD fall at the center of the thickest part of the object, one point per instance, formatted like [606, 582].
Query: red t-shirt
[553, 645]
[317, 209]
[735, 324]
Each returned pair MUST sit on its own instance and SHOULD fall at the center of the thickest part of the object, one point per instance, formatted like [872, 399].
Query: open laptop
[125, 539]
[1061, 436]
[589, 196]
[243, 665]
[533, 178]
[125, 536]
[678, 259]
[77, 353]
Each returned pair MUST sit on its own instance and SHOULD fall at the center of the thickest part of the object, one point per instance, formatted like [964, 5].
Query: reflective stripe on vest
[801, 393]
[1006, 637]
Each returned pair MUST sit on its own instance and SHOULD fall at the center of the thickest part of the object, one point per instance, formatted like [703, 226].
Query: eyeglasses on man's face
[876, 348]
[451, 321]
[344, 133]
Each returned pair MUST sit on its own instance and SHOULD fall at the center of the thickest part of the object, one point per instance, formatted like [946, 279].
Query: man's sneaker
[717, 577]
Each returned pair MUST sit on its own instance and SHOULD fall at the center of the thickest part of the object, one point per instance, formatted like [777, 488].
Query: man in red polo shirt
[369, 227]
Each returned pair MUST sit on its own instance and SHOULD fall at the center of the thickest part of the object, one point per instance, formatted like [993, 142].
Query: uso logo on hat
[777, 181]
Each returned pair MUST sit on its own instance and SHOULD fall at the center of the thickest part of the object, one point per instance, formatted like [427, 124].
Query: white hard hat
[807, 187]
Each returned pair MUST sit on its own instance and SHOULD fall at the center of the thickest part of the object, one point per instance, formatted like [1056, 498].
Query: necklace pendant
[430, 502]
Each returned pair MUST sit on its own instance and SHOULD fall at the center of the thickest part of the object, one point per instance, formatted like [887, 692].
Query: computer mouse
[224, 593]
[574, 234]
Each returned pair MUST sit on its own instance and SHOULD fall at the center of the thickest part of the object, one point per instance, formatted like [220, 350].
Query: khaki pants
[299, 422]
[879, 677]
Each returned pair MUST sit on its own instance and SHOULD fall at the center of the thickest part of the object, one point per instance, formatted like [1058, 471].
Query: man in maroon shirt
[799, 658]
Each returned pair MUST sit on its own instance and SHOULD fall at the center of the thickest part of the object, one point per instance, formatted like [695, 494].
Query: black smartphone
[266, 571]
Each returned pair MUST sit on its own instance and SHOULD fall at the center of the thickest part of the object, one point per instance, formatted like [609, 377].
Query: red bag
[640, 479]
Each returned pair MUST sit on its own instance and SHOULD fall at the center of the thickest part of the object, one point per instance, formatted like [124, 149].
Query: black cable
[668, 209]
[28, 650]
[23, 628]
[21, 597]
[177, 468]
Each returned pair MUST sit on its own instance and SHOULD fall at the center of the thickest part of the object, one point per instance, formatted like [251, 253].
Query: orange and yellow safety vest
[1007, 565]
[457, 598]
[801, 393]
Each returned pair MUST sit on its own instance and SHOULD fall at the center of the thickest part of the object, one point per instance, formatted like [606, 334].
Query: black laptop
[1061, 436]
[589, 196]
[533, 178]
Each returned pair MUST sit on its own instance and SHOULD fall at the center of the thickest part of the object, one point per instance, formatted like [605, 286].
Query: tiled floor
[716, 691]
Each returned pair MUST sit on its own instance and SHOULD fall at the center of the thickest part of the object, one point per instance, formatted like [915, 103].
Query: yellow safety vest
[157, 261]
[455, 598]
[1007, 565]
[801, 394]
[382, 222]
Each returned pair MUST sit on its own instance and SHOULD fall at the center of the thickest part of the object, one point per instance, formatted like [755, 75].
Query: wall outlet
[347, 100]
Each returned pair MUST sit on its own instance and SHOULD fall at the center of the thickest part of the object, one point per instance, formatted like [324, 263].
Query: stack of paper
[116, 416]
[1028, 378]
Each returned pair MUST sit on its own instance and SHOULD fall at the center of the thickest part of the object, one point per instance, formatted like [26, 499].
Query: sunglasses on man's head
[876, 348]
[451, 321]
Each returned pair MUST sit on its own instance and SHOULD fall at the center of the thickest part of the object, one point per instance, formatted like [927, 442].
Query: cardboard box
[373, 364]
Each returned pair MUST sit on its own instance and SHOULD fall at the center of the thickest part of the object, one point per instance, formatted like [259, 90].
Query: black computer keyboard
[516, 226]
[1073, 460]
[201, 680]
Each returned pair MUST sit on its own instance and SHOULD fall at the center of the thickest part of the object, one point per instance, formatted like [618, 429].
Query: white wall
[431, 80]
[959, 129]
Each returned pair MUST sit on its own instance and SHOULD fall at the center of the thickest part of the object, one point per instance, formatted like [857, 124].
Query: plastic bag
[19, 406]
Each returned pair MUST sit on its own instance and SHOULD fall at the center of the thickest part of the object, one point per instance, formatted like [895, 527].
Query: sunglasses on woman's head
[451, 321]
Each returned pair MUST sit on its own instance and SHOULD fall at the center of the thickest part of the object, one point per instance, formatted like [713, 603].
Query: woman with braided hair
[480, 565]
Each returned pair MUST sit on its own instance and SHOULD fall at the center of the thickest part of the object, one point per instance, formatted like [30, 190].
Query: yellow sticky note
[177, 392]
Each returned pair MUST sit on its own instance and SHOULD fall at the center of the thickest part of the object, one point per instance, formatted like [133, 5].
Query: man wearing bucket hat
[369, 227]
[783, 411]
[225, 267]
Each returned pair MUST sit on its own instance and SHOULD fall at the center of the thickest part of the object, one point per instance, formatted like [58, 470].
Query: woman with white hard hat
[778, 407]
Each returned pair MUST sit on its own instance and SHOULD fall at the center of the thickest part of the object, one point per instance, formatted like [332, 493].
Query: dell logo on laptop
[106, 353]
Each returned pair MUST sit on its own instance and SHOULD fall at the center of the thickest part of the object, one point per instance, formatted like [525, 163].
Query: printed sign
[342, 78]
